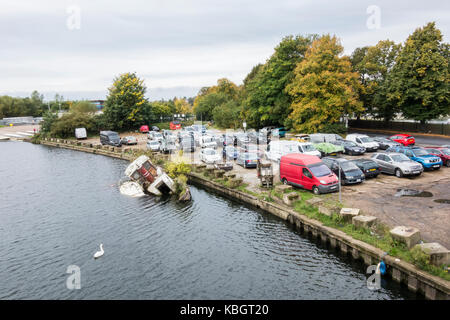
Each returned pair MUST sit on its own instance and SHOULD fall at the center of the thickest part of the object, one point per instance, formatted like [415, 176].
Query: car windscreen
[366, 139]
[446, 152]
[399, 158]
[210, 152]
[348, 166]
[320, 170]
[251, 156]
[113, 136]
[290, 148]
[420, 152]
[350, 144]
[308, 147]
[153, 143]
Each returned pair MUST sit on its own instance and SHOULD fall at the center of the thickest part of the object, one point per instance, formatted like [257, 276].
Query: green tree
[419, 81]
[83, 107]
[125, 101]
[265, 100]
[324, 88]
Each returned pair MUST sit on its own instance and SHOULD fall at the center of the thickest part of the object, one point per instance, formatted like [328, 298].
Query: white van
[208, 142]
[277, 149]
[308, 148]
[363, 141]
[80, 133]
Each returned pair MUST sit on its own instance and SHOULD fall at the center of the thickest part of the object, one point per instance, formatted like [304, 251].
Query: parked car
[155, 135]
[129, 140]
[322, 137]
[230, 153]
[153, 145]
[247, 159]
[350, 173]
[328, 149]
[441, 152]
[279, 132]
[398, 164]
[144, 129]
[167, 145]
[209, 155]
[427, 160]
[110, 138]
[242, 139]
[350, 147]
[308, 148]
[385, 143]
[80, 133]
[207, 142]
[228, 140]
[199, 128]
[363, 141]
[175, 125]
[370, 168]
[404, 139]
[187, 144]
[307, 172]
[277, 149]
[155, 128]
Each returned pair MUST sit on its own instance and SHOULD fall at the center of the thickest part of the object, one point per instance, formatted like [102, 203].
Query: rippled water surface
[58, 205]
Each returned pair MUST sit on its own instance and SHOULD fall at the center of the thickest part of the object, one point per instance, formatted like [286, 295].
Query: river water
[58, 205]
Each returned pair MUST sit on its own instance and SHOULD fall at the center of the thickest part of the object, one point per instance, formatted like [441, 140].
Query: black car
[247, 159]
[350, 173]
[110, 138]
[385, 143]
[350, 147]
[370, 168]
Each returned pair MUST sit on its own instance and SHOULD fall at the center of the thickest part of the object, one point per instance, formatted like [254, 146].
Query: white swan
[98, 254]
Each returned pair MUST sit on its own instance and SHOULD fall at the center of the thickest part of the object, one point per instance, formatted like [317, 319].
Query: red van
[175, 125]
[307, 172]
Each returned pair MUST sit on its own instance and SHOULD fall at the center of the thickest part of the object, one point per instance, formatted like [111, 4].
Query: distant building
[98, 103]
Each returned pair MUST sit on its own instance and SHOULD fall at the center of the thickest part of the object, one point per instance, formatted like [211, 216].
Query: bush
[65, 126]
[174, 169]
[419, 258]
[48, 121]
[337, 128]
[180, 184]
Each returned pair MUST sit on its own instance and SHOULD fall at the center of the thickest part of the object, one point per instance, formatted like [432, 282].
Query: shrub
[65, 126]
[419, 257]
[337, 128]
[174, 169]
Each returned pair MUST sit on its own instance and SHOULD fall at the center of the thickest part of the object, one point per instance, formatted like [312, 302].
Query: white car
[209, 155]
[153, 145]
[208, 142]
[278, 148]
[154, 135]
[308, 148]
[363, 141]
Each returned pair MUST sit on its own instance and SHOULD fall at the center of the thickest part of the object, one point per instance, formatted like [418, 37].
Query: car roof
[305, 158]
[402, 135]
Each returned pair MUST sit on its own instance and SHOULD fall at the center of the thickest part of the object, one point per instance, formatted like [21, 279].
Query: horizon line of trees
[309, 85]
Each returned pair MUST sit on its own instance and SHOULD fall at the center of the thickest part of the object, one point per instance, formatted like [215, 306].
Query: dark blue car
[427, 160]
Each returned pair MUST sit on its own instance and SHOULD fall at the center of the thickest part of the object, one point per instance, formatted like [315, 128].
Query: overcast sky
[177, 46]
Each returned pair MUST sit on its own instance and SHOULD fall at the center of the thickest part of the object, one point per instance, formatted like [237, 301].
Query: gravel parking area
[376, 196]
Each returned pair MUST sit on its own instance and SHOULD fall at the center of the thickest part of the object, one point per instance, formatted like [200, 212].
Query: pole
[340, 197]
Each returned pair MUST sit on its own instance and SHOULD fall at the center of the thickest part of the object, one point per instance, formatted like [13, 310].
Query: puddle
[412, 193]
[447, 201]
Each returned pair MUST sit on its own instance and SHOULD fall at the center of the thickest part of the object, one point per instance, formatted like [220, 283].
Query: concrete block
[290, 198]
[230, 175]
[407, 235]
[219, 173]
[348, 213]
[364, 221]
[315, 201]
[438, 254]
[283, 188]
[327, 210]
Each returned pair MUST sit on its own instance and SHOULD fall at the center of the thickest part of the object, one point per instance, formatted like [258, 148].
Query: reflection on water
[59, 205]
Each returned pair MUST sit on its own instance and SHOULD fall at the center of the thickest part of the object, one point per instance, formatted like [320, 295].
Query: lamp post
[340, 197]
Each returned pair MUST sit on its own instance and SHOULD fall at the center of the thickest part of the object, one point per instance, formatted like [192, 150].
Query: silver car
[398, 164]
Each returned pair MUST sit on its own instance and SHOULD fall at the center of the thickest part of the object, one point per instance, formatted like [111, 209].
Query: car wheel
[316, 190]
[284, 181]
[398, 173]
[448, 164]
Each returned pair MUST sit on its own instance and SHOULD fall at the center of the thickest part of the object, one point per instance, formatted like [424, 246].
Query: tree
[182, 106]
[265, 100]
[324, 87]
[419, 81]
[125, 101]
[373, 64]
[83, 107]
